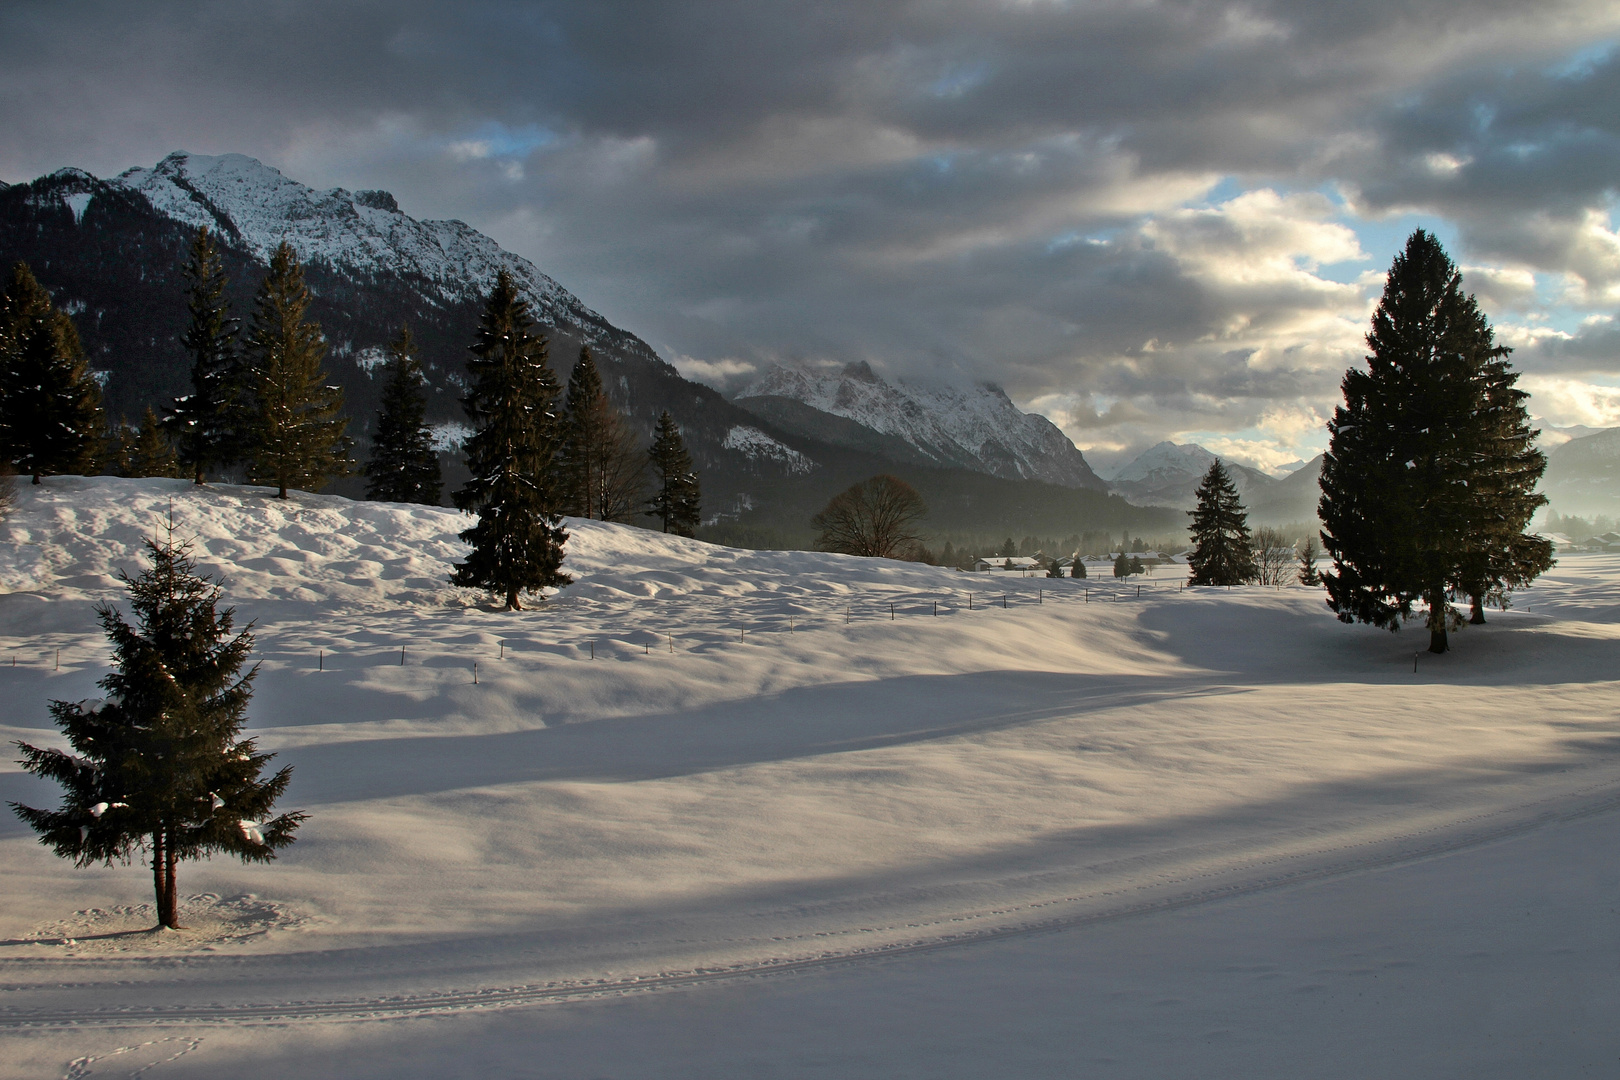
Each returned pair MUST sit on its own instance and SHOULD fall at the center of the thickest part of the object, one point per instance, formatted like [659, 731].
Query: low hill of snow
[697, 765]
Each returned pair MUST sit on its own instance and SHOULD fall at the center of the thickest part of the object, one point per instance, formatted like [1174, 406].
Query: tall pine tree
[601, 468]
[297, 421]
[1223, 552]
[160, 766]
[404, 467]
[1429, 477]
[50, 405]
[517, 544]
[207, 422]
[677, 499]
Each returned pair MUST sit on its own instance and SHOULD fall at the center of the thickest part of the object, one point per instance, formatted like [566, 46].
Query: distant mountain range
[1168, 474]
[978, 428]
[1583, 475]
[110, 251]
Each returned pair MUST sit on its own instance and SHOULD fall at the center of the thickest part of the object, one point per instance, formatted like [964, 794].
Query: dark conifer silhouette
[677, 500]
[404, 467]
[50, 405]
[601, 469]
[207, 423]
[517, 544]
[1429, 477]
[150, 452]
[297, 420]
[160, 766]
[1223, 552]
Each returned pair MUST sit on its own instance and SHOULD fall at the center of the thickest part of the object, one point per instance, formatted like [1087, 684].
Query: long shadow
[798, 723]
[1062, 859]
[1269, 645]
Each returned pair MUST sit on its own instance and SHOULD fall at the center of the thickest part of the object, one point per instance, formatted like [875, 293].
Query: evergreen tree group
[404, 466]
[1223, 552]
[1429, 479]
[160, 766]
[50, 404]
[517, 544]
[600, 467]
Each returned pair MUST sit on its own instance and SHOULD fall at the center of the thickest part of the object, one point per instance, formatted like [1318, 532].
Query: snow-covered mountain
[360, 234]
[111, 251]
[1168, 473]
[977, 428]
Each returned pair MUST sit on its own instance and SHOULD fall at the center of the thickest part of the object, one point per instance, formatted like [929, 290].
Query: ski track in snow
[767, 770]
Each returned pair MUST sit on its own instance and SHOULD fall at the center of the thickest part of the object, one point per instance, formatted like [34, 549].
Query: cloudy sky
[1144, 219]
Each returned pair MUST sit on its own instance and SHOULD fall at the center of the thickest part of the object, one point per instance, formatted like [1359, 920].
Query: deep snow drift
[698, 761]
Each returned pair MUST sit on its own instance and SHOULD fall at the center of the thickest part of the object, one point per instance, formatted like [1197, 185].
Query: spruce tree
[1223, 552]
[676, 503]
[1078, 569]
[517, 545]
[50, 405]
[1121, 567]
[159, 766]
[297, 421]
[1429, 477]
[207, 422]
[404, 467]
[602, 471]
[150, 452]
[1308, 553]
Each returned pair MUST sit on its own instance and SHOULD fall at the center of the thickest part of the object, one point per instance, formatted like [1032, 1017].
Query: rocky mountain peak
[977, 427]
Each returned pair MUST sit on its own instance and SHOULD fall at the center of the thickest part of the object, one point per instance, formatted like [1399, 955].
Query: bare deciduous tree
[876, 518]
[1273, 555]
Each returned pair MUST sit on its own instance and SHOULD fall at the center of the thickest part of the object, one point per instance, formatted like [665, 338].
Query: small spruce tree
[1308, 554]
[517, 544]
[297, 420]
[50, 404]
[404, 467]
[150, 452]
[160, 766]
[206, 422]
[1079, 567]
[1223, 553]
[676, 502]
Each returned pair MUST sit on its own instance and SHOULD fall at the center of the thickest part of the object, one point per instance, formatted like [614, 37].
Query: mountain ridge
[976, 427]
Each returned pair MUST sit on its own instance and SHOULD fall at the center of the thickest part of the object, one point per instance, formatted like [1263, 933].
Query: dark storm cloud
[1018, 191]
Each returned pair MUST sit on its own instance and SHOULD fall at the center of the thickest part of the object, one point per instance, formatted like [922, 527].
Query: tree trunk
[1478, 617]
[157, 875]
[171, 914]
[512, 603]
[1437, 620]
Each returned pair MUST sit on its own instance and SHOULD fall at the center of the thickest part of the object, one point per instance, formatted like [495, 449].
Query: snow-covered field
[727, 813]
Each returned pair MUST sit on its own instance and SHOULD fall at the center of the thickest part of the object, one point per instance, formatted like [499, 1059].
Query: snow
[754, 444]
[771, 830]
[977, 425]
[361, 234]
[78, 203]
